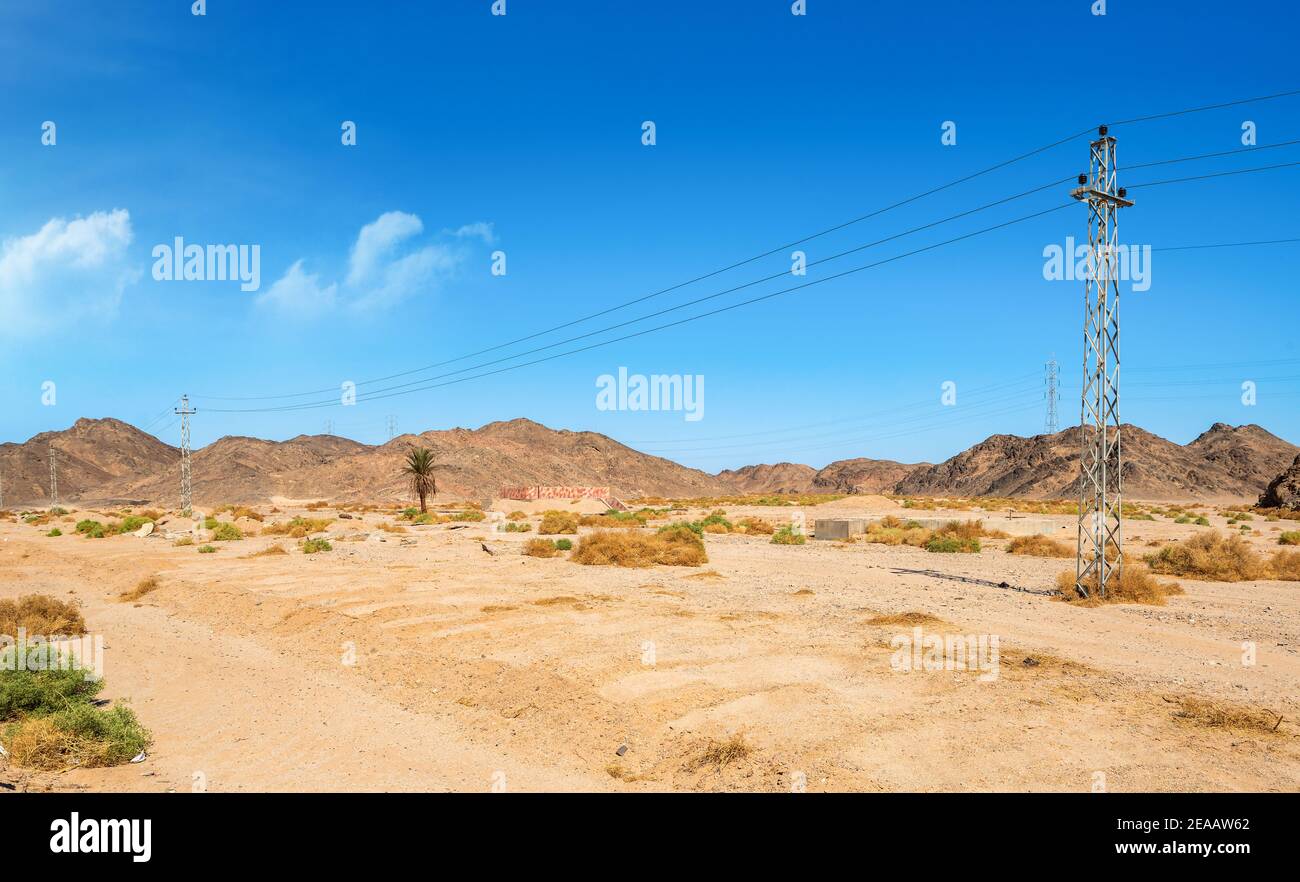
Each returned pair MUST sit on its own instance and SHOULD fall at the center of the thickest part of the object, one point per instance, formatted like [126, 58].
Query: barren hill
[102, 460]
[863, 475]
[782, 477]
[106, 460]
[94, 457]
[1223, 463]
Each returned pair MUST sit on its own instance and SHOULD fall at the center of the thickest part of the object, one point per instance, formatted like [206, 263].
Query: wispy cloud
[386, 266]
[67, 270]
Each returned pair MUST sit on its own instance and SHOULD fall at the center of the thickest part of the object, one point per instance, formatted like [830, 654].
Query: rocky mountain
[1284, 490]
[106, 460]
[1246, 452]
[863, 475]
[1223, 463]
[93, 457]
[783, 477]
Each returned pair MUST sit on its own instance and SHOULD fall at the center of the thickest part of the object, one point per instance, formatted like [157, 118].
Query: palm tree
[419, 465]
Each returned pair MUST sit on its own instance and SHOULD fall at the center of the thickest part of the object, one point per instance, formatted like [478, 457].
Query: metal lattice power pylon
[1100, 547]
[54, 478]
[184, 410]
[1053, 395]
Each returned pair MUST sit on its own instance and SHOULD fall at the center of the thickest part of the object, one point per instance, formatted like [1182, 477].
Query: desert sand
[424, 663]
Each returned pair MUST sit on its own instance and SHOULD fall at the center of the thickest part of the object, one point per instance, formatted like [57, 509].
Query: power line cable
[997, 166]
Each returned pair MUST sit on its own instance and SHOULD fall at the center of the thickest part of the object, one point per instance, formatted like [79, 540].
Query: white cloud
[298, 290]
[377, 241]
[66, 271]
[384, 268]
[479, 229]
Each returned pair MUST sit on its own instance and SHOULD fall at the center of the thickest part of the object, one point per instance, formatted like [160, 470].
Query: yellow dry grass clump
[237, 512]
[1286, 566]
[298, 528]
[540, 548]
[1039, 545]
[906, 619]
[671, 546]
[269, 551]
[557, 522]
[1216, 558]
[722, 753]
[145, 586]
[1134, 585]
[41, 614]
[1218, 715]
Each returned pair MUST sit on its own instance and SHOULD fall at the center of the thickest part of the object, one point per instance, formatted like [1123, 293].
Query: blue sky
[523, 134]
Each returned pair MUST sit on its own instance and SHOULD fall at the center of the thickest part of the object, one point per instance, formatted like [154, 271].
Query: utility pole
[1053, 423]
[1100, 545]
[54, 478]
[185, 412]
[392, 427]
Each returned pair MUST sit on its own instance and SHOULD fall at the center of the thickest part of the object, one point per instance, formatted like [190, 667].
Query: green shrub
[564, 544]
[1202, 522]
[55, 532]
[207, 549]
[91, 528]
[694, 526]
[130, 524]
[51, 722]
[58, 511]
[469, 514]
[953, 545]
[311, 546]
[224, 532]
[1182, 519]
[42, 692]
[1290, 537]
[787, 536]
[516, 527]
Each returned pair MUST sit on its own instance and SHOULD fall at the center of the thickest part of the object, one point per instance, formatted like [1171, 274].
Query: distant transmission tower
[329, 427]
[1053, 423]
[54, 478]
[392, 427]
[187, 498]
[1100, 546]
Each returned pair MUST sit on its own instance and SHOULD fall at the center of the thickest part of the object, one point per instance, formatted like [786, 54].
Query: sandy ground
[425, 663]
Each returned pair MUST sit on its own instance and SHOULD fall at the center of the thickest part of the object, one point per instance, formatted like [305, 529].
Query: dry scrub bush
[757, 526]
[269, 551]
[557, 522]
[143, 587]
[1286, 566]
[1217, 715]
[1134, 585]
[671, 546]
[1209, 556]
[390, 528]
[1290, 537]
[540, 548]
[906, 619]
[297, 528]
[1039, 545]
[237, 512]
[517, 516]
[721, 753]
[41, 614]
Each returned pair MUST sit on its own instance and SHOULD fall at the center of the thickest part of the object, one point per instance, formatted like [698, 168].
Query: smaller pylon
[392, 427]
[1053, 395]
[185, 412]
[54, 478]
